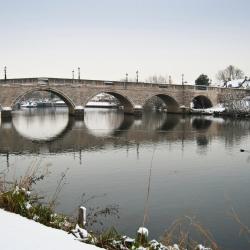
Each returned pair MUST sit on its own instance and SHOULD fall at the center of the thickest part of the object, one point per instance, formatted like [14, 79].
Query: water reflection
[126, 124]
[170, 122]
[6, 124]
[202, 140]
[104, 121]
[67, 134]
[110, 153]
[201, 123]
[157, 121]
[40, 124]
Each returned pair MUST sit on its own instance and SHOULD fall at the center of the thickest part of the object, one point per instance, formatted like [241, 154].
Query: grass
[18, 199]
[181, 231]
[244, 229]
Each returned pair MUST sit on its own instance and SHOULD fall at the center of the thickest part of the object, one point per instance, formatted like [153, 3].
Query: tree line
[231, 72]
[228, 74]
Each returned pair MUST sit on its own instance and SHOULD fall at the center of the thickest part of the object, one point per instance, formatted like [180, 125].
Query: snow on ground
[19, 233]
[218, 108]
[237, 83]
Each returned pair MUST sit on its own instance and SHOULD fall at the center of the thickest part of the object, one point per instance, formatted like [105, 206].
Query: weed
[180, 231]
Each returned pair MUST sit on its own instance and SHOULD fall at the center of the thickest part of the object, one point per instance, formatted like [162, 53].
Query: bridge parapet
[102, 83]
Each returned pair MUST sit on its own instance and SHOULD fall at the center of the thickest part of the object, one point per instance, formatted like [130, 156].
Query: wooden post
[82, 216]
[142, 236]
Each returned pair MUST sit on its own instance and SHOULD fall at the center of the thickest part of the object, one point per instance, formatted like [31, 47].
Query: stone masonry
[132, 96]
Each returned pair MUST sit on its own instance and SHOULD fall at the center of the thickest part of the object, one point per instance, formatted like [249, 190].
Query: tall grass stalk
[145, 214]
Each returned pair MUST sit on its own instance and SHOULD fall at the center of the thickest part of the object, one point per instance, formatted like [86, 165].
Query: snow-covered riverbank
[19, 233]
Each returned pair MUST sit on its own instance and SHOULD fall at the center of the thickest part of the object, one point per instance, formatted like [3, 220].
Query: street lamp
[79, 73]
[137, 77]
[182, 83]
[126, 77]
[73, 74]
[169, 80]
[5, 73]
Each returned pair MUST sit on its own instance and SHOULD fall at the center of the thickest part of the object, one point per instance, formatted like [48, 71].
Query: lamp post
[5, 73]
[183, 94]
[137, 76]
[125, 82]
[182, 79]
[79, 73]
[169, 80]
[73, 74]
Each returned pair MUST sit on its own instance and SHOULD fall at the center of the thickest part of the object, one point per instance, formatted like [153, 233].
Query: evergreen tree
[202, 80]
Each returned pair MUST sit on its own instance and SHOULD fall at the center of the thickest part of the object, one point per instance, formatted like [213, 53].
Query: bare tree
[230, 73]
[156, 79]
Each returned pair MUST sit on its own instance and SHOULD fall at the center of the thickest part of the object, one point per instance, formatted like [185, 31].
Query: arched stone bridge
[132, 96]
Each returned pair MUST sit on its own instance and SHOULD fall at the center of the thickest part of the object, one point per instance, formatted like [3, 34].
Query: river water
[197, 169]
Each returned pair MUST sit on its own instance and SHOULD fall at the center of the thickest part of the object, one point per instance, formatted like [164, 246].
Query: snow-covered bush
[21, 201]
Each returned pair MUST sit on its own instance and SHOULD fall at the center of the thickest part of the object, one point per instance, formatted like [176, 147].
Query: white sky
[108, 38]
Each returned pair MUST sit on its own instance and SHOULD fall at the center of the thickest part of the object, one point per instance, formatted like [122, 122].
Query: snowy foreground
[19, 233]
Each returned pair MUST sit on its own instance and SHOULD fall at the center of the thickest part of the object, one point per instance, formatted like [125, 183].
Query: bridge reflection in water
[196, 161]
[33, 129]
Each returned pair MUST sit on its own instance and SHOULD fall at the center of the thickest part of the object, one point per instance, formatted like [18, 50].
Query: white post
[82, 216]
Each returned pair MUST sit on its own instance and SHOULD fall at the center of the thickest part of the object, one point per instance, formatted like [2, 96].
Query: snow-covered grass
[20, 201]
[19, 233]
[216, 109]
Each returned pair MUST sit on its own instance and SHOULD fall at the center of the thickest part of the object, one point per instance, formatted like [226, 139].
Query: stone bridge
[132, 96]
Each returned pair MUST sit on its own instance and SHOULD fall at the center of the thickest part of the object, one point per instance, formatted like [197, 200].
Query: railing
[19, 80]
[122, 84]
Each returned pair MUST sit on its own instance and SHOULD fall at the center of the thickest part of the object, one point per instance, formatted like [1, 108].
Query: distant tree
[230, 73]
[202, 80]
[156, 79]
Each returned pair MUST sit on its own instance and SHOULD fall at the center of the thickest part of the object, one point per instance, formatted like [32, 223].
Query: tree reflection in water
[201, 123]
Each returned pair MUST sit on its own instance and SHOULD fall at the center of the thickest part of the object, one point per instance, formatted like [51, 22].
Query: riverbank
[20, 233]
[44, 229]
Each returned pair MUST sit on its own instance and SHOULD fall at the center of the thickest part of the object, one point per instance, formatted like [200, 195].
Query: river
[197, 169]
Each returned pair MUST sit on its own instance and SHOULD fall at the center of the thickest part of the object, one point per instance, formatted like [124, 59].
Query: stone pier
[78, 112]
[6, 114]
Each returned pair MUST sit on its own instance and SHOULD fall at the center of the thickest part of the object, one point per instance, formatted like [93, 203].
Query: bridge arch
[201, 102]
[70, 104]
[171, 104]
[128, 105]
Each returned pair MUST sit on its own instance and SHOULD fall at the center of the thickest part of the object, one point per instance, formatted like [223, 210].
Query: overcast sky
[108, 38]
